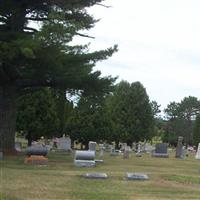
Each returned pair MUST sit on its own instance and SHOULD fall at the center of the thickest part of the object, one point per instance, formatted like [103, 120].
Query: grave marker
[64, 143]
[161, 150]
[92, 146]
[84, 158]
[197, 156]
[179, 148]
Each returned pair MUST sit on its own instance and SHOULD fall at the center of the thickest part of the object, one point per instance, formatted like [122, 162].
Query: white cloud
[159, 45]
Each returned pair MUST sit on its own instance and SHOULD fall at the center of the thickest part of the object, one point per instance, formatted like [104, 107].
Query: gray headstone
[99, 161]
[161, 150]
[101, 150]
[136, 176]
[36, 150]
[96, 175]
[197, 156]
[92, 146]
[139, 152]
[84, 163]
[64, 144]
[179, 148]
[126, 152]
[84, 158]
[84, 155]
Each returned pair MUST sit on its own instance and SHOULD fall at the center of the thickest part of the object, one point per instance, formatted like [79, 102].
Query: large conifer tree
[35, 52]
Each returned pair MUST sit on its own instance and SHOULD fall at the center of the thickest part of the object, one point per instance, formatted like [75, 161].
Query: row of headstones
[63, 143]
[128, 176]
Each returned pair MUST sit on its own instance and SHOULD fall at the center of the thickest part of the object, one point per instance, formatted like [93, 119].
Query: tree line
[125, 114]
[122, 115]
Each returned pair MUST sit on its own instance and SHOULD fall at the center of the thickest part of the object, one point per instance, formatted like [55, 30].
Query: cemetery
[75, 175]
[76, 124]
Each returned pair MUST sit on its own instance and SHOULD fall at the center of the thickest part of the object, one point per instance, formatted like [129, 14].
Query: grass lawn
[170, 178]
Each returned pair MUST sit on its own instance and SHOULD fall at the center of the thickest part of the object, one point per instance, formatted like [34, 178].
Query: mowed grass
[170, 178]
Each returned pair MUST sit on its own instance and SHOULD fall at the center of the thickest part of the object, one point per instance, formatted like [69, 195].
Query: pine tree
[35, 52]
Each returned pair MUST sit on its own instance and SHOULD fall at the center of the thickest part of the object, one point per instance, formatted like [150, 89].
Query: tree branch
[30, 29]
[83, 35]
[37, 19]
[99, 4]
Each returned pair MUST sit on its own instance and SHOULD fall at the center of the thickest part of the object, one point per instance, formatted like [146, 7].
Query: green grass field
[170, 178]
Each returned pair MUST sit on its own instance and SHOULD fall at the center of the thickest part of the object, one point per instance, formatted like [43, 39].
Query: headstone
[134, 146]
[197, 156]
[179, 148]
[107, 147]
[148, 148]
[84, 159]
[36, 155]
[113, 152]
[18, 146]
[92, 146]
[161, 150]
[36, 150]
[64, 143]
[96, 175]
[101, 150]
[136, 176]
[139, 152]
[126, 152]
[143, 146]
[123, 146]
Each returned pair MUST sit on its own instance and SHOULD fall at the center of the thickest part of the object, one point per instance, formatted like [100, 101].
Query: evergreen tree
[131, 113]
[35, 52]
[196, 131]
[89, 121]
[37, 115]
[181, 117]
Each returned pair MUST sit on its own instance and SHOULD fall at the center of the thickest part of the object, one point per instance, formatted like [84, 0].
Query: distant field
[170, 178]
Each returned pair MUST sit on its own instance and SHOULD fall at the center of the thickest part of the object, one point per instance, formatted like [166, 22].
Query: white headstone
[197, 156]
[101, 150]
[18, 146]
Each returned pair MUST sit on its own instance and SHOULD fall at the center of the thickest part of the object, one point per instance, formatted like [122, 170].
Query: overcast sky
[159, 45]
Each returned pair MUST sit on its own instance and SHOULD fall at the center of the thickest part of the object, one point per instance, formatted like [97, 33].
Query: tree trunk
[29, 138]
[7, 118]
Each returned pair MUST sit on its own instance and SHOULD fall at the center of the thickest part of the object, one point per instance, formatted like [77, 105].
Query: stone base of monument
[84, 159]
[96, 175]
[99, 161]
[84, 163]
[160, 155]
[136, 176]
[34, 159]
